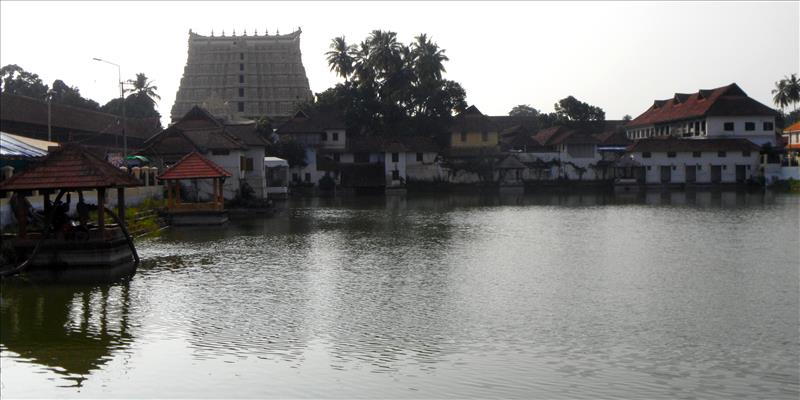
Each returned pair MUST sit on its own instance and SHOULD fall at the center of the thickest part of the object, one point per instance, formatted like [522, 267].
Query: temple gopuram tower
[243, 76]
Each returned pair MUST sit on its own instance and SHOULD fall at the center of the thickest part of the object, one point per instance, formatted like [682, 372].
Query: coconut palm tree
[792, 89]
[340, 57]
[144, 87]
[779, 94]
[428, 59]
[384, 52]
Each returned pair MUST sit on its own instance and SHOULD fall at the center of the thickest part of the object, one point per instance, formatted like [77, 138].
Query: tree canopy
[16, 80]
[571, 109]
[140, 103]
[787, 91]
[390, 87]
[523, 110]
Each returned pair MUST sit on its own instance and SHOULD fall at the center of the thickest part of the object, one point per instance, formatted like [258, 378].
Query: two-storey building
[724, 112]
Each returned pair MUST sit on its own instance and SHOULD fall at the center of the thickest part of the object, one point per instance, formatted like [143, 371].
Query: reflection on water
[652, 295]
[70, 330]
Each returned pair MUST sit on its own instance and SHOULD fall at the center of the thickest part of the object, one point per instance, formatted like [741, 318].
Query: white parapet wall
[133, 196]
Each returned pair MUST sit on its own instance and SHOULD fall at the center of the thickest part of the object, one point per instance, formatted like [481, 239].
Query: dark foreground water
[668, 296]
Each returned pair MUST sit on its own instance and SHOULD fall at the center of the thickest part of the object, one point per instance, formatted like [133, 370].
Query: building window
[768, 126]
[241, 56]
[671, 154]
[241, 78]
[323, 136]
[721, 154]
[245, 163]
[241, 67]
[336, 157]
[697, 154]
[295, 177]
[241, 92]
[728, 126]
[335, 136]
[395, 175]
[749, 126]
[646, 154]
[484, 136]
[746, 153]
[463, 136]
[419, 157]
[240, 106]
[361, 157]
[308, 177]
[395, 157]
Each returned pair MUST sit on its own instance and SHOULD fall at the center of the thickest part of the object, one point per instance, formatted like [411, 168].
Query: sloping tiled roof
[70, 166]
[669, 143]
[728, 100]
[198, 130]
[306, 122]
[605, 132]
[32, 111]
[391, 144]
[472, 120]
[795, 127]
[194, 166]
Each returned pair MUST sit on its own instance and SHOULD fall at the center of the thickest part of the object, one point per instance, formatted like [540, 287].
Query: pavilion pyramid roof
[194, 166]
[70, 166]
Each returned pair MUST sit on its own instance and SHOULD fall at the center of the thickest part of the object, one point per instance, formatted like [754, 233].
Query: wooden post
[177, 192]
[121, 204]
[101, 211]
[22, 216]
[170, 200]
[46, 201]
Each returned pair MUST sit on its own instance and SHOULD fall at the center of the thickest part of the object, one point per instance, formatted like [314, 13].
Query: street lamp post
[50, 94]
[122, 99]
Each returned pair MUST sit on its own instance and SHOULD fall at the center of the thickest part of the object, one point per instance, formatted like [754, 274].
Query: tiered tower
[243, 76]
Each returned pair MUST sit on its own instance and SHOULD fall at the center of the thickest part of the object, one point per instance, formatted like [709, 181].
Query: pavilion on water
[60, 243]
[195, 167]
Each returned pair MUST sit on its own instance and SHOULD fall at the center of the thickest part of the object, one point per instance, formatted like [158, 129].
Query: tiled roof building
[726, 111]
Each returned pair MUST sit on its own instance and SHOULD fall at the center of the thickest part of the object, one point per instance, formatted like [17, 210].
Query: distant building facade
[243, 76]
[671, 160]
[724, 112]
[235, 146]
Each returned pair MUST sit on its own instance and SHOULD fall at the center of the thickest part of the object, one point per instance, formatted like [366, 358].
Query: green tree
[780, 95]
[627, 117]
[71, 96]
[143, 88]
[340, 57]
[16, 80]
[523, 110]
[570, 109]
[428, 59]
[793, 89]
[391, 88]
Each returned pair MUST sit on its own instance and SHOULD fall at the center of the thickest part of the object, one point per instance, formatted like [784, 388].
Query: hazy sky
[619, 56]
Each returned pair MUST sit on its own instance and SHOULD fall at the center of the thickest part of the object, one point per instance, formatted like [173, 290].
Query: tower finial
[278, 31]
[234, 31]
[245, 31]
[212, 32]
[256, 34]
[223, 32]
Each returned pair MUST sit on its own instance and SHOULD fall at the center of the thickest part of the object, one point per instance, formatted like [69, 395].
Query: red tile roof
[194, 166]
[70, 166]
[728, 100]
[795, 127]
